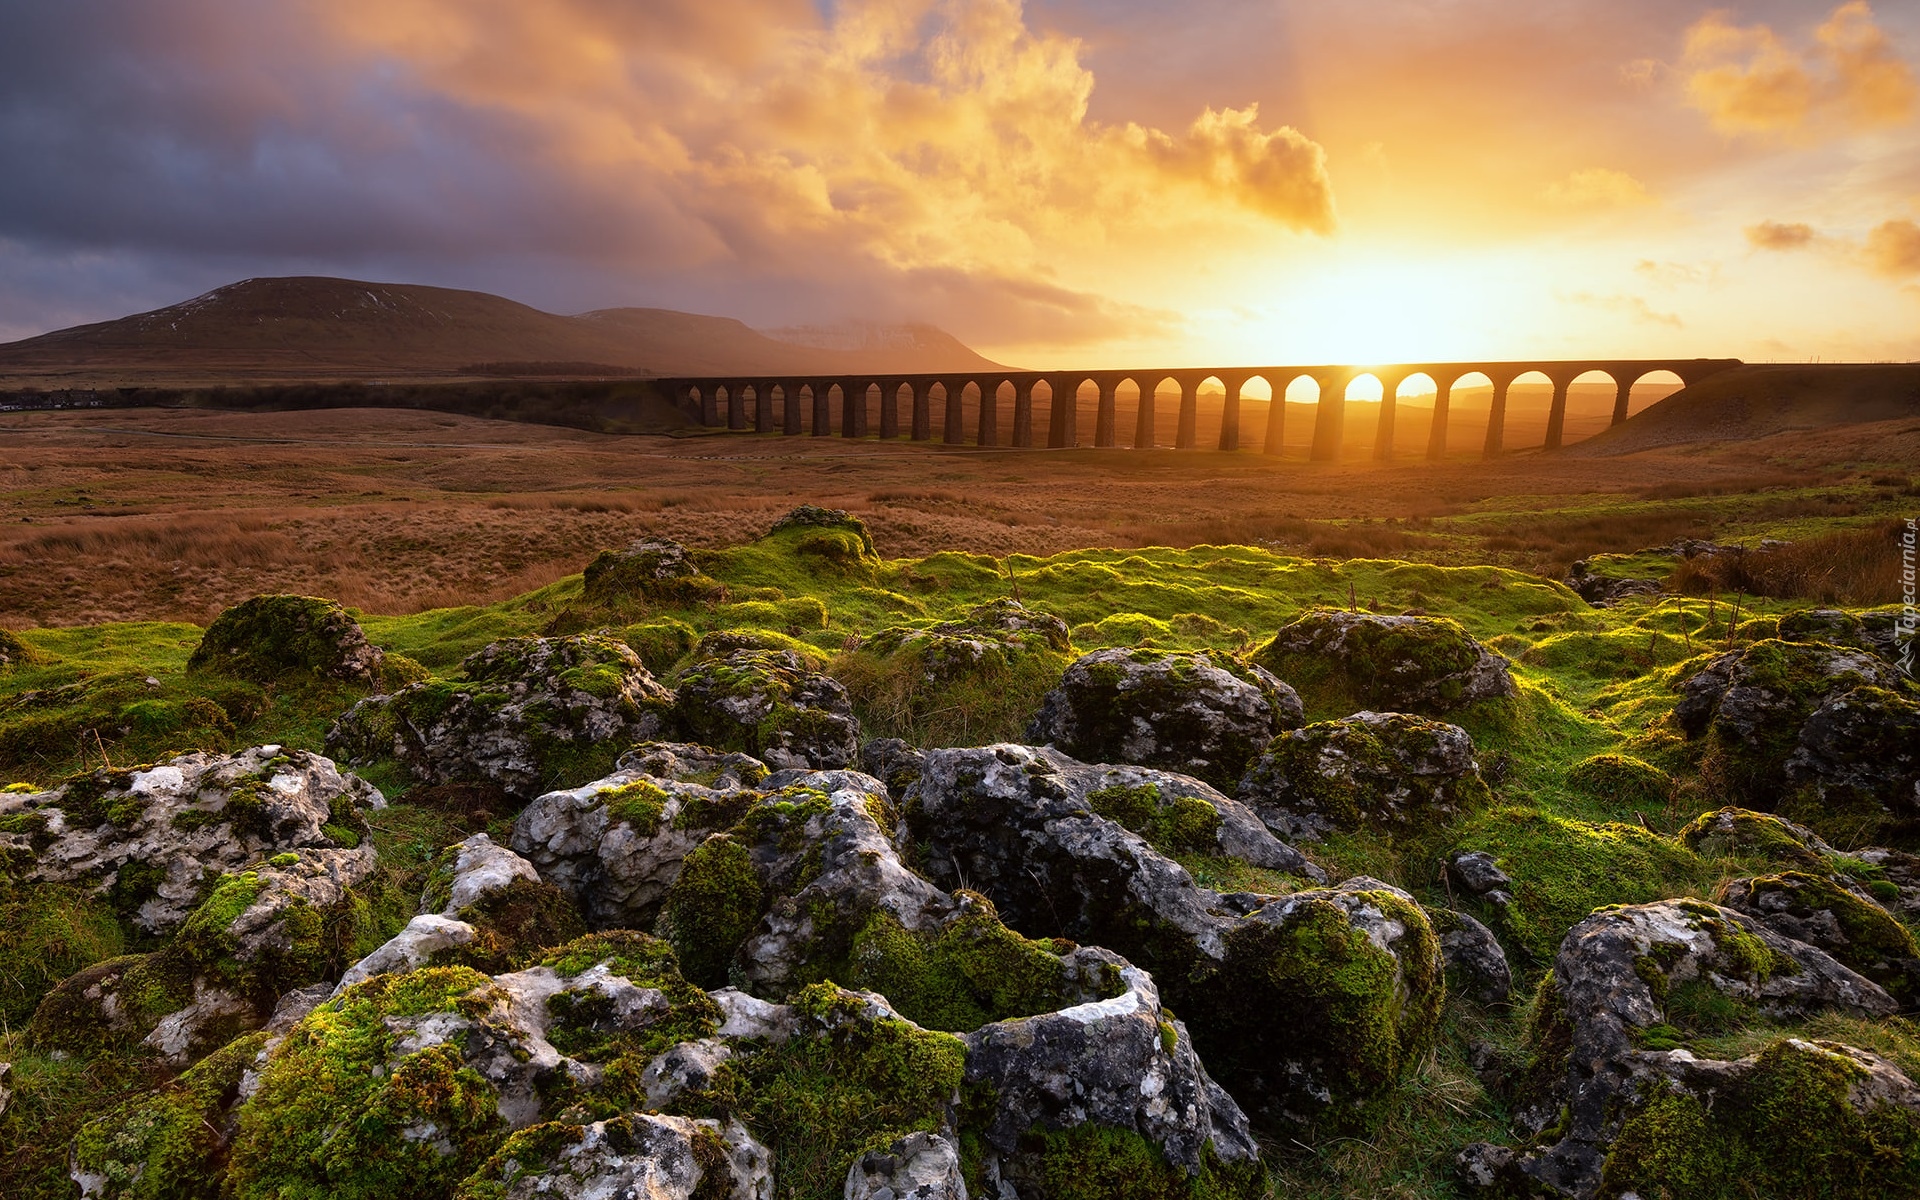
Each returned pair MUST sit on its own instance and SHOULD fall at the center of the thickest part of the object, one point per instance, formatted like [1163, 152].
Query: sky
[1058, 183]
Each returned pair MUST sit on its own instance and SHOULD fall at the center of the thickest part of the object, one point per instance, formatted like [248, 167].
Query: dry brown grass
[1850, 566]
[141, 514]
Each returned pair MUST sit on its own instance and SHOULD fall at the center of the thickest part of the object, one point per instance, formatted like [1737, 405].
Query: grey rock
[1604, 974]
[1389, 772]
[529, 706]
[192, 813]
[1476, 871]
[920, 1166]
[684, 762]
[1862, 747]
[645, 1155]
[1475, 962]
[416, 943]
[1109, 1063]
[6, 1092]
[770, 705]
[1734, 693]
[1016, 821]
[1602, 591]
[893, 762]
[1397, 663]
[615, 845]
[1485, 1166]
[682, 1068]
[268, 637]
[1835, 914]
[1199, 713]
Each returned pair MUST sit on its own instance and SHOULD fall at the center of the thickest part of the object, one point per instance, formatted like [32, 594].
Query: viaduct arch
[907, 402]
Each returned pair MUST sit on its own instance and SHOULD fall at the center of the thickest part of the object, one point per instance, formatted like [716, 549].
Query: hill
[1753, 402]
[314, 328]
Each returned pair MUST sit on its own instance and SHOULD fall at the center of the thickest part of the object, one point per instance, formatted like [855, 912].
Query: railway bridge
[748, 402]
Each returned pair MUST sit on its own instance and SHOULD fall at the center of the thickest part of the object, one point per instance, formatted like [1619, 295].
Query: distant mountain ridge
[315, 327]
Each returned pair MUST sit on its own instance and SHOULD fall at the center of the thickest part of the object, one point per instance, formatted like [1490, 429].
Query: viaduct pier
[749, 402]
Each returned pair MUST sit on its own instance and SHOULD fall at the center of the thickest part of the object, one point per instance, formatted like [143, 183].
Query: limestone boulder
[1738, 831]
[638, 1155]
[1202, 714]
[259, 934]
[1630, 987]
[1475, 962]
[1836, 915]
[1017, 821]
[1393, 663]
[650, 570]
[1753, 707]
[272, 638]
[147, 836]
[1385, 772]
[685, 762]
[615, 845]
[1861, 750]
[768, 704]
[532, 714]
[920, 1166]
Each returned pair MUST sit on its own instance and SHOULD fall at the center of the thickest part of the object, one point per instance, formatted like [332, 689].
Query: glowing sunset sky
[1068, 181]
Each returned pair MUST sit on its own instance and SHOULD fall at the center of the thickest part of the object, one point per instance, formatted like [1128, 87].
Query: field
[123, 533]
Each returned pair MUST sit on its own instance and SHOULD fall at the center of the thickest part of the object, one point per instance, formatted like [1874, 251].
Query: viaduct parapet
[747, 402]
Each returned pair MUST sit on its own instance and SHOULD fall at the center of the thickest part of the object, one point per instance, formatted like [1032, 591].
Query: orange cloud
[1893, 248]
[1747, 79]
[915, 135]
[1776, 235]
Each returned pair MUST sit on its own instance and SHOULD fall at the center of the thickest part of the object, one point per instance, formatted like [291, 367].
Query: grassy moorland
[1482, 547]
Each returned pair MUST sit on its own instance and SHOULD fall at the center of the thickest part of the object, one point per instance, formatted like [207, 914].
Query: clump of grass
[1859, 566]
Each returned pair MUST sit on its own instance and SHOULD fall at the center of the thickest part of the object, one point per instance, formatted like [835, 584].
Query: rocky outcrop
[1198, 713]
[145, 836]
[638, 1155]
[1753, 706]
[920, 1166]
[1020, 821]
[533, 713]
[652, 569]
[1476, 964]
[1877, 632]
[769, 705]
[1394, 663]
[1626, 989]
[1860, 750]
[269, 639]
[684, 762]
[1602, 591]
[1835, 915]
[1386, 772]
[261, 933]
[615, 845]
[1737, 831]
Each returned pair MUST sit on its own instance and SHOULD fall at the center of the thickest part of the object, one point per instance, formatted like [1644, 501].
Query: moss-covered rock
[273, 639]
[1385, 772]
[652, 569]
[144, 839]
[1203, 714]
[805, 520]
[1636, 987]
[1750, 705]
[1357, 970]
[768, 704]
[533, 713]
[259, 934]
[1798, 1119]
[1819, 911]
[1737, 831]
[637, 1155]
[1858, 756]
[957, 682]
[1404, 664]
[170, 1143]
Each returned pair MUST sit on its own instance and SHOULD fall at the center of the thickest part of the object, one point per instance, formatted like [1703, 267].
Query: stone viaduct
[749, 400]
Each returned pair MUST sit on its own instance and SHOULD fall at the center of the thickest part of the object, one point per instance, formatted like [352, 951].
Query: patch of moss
[333, 1109]
[47, 933]
[1562, 870]
[1187, 824]
[512, 925]
[712, 907]
[972, 972]
[1785, 1129]
[168, 1144]
[638, 804]
[268, 638]
[1621, 779]
[1095, 1162]
[849, 1083]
